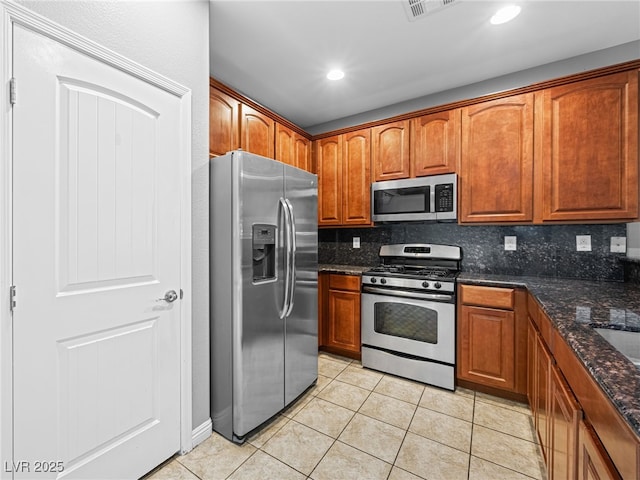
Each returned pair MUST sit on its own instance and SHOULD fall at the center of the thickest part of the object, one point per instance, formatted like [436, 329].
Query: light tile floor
[361, 424]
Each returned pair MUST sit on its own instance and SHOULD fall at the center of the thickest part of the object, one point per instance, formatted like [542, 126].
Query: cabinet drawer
[344, 282]
[487, 296]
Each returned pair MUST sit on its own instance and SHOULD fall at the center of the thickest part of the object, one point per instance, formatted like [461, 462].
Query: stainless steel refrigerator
[264, 289]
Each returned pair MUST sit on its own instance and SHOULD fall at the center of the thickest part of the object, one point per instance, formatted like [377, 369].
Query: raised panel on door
[344, 320]
[285, 145]
[329, 166]
[257, 132]
[356, 178]
[435, 143]
[390, 151]
[302, 152]
[223, 123]
[486, 346]
[587, 149]
[496, 164]
[565, 417]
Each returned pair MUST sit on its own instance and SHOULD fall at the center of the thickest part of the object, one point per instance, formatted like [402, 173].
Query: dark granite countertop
[344, 269]
[575, 307]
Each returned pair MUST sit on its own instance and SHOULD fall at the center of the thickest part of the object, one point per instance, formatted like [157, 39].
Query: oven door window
[413, 322]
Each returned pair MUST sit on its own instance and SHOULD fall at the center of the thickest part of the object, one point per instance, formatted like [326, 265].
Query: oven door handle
[399, 293]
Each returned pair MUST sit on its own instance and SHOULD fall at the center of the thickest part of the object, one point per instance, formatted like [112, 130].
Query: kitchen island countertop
[575, 307]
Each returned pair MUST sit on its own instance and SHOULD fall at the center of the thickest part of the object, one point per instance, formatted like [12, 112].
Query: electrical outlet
[619, 244]
[583, 243]
[510, 242]
[356, 242]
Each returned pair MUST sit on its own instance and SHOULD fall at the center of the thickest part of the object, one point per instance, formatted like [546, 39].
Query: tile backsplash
[542, 250]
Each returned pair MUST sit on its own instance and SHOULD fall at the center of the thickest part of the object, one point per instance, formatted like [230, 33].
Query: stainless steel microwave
[431, 198]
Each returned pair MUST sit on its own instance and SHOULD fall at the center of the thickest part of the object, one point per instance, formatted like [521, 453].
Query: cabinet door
[343, 329]
[302, 152]
[329, 166]
[496, 163]
[565, 414]
[543, 379]
[285, 152]
[532, 340]
[435, 143]
[356, 178]
[587, 149]
[390, 155]
[258, 132]
[486, 346]
[593, 461]
[223, 123]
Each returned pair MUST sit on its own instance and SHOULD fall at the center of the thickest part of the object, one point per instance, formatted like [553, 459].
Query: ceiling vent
[417, 9]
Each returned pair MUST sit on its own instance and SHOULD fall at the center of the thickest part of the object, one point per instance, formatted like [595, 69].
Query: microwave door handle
[432, 199]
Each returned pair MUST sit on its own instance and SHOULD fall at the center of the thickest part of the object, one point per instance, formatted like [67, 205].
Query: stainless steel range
[408, 311]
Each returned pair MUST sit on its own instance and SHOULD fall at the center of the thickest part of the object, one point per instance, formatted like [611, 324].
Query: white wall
[172, 38]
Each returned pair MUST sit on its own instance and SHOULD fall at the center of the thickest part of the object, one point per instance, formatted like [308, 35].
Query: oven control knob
[374, 279]
[438, 285]
[383, 281]
[425, 284]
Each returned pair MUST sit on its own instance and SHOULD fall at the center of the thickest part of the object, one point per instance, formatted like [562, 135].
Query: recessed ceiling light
[335, 75]
[505, 14]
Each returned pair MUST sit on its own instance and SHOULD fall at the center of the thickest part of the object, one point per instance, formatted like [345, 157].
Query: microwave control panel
[444, 197]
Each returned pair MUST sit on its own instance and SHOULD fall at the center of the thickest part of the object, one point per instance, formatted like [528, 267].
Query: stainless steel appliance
[408, 313]
[415, 199]
[264, 284]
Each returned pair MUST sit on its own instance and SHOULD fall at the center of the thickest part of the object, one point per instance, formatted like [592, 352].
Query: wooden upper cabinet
[390, 151]
[302, 152]
[258, 132]
[329, 167]
[435, 143]
[587, 149]
[292, 148]
[285, 145]
[496, 164]
[356, 178]
[224, 129]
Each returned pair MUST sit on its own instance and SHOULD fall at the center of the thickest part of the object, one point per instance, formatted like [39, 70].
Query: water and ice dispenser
[263, 241]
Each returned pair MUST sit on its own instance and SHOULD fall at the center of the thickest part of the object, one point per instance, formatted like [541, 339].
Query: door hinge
[12, 297]
[12, 91]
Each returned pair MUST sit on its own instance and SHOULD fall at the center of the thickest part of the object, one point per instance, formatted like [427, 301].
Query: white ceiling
[278, 52]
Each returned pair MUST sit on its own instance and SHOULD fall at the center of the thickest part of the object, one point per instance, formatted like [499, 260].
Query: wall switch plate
[583, 243]
[356, 242]
[510, 242]
[619, 244]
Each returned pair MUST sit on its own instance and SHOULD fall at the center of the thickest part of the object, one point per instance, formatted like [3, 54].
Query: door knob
[169, 297]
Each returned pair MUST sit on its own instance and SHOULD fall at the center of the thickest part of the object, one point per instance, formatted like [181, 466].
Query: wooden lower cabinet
[492, 338]
[340, 321]
[593, 461]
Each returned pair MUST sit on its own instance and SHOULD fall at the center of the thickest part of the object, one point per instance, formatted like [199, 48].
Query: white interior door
[96, 243]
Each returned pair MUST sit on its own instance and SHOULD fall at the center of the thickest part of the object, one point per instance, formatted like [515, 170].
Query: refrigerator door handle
[293, 249]
[287, 274]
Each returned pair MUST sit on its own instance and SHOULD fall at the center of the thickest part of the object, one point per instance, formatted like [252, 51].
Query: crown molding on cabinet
[256, 106]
